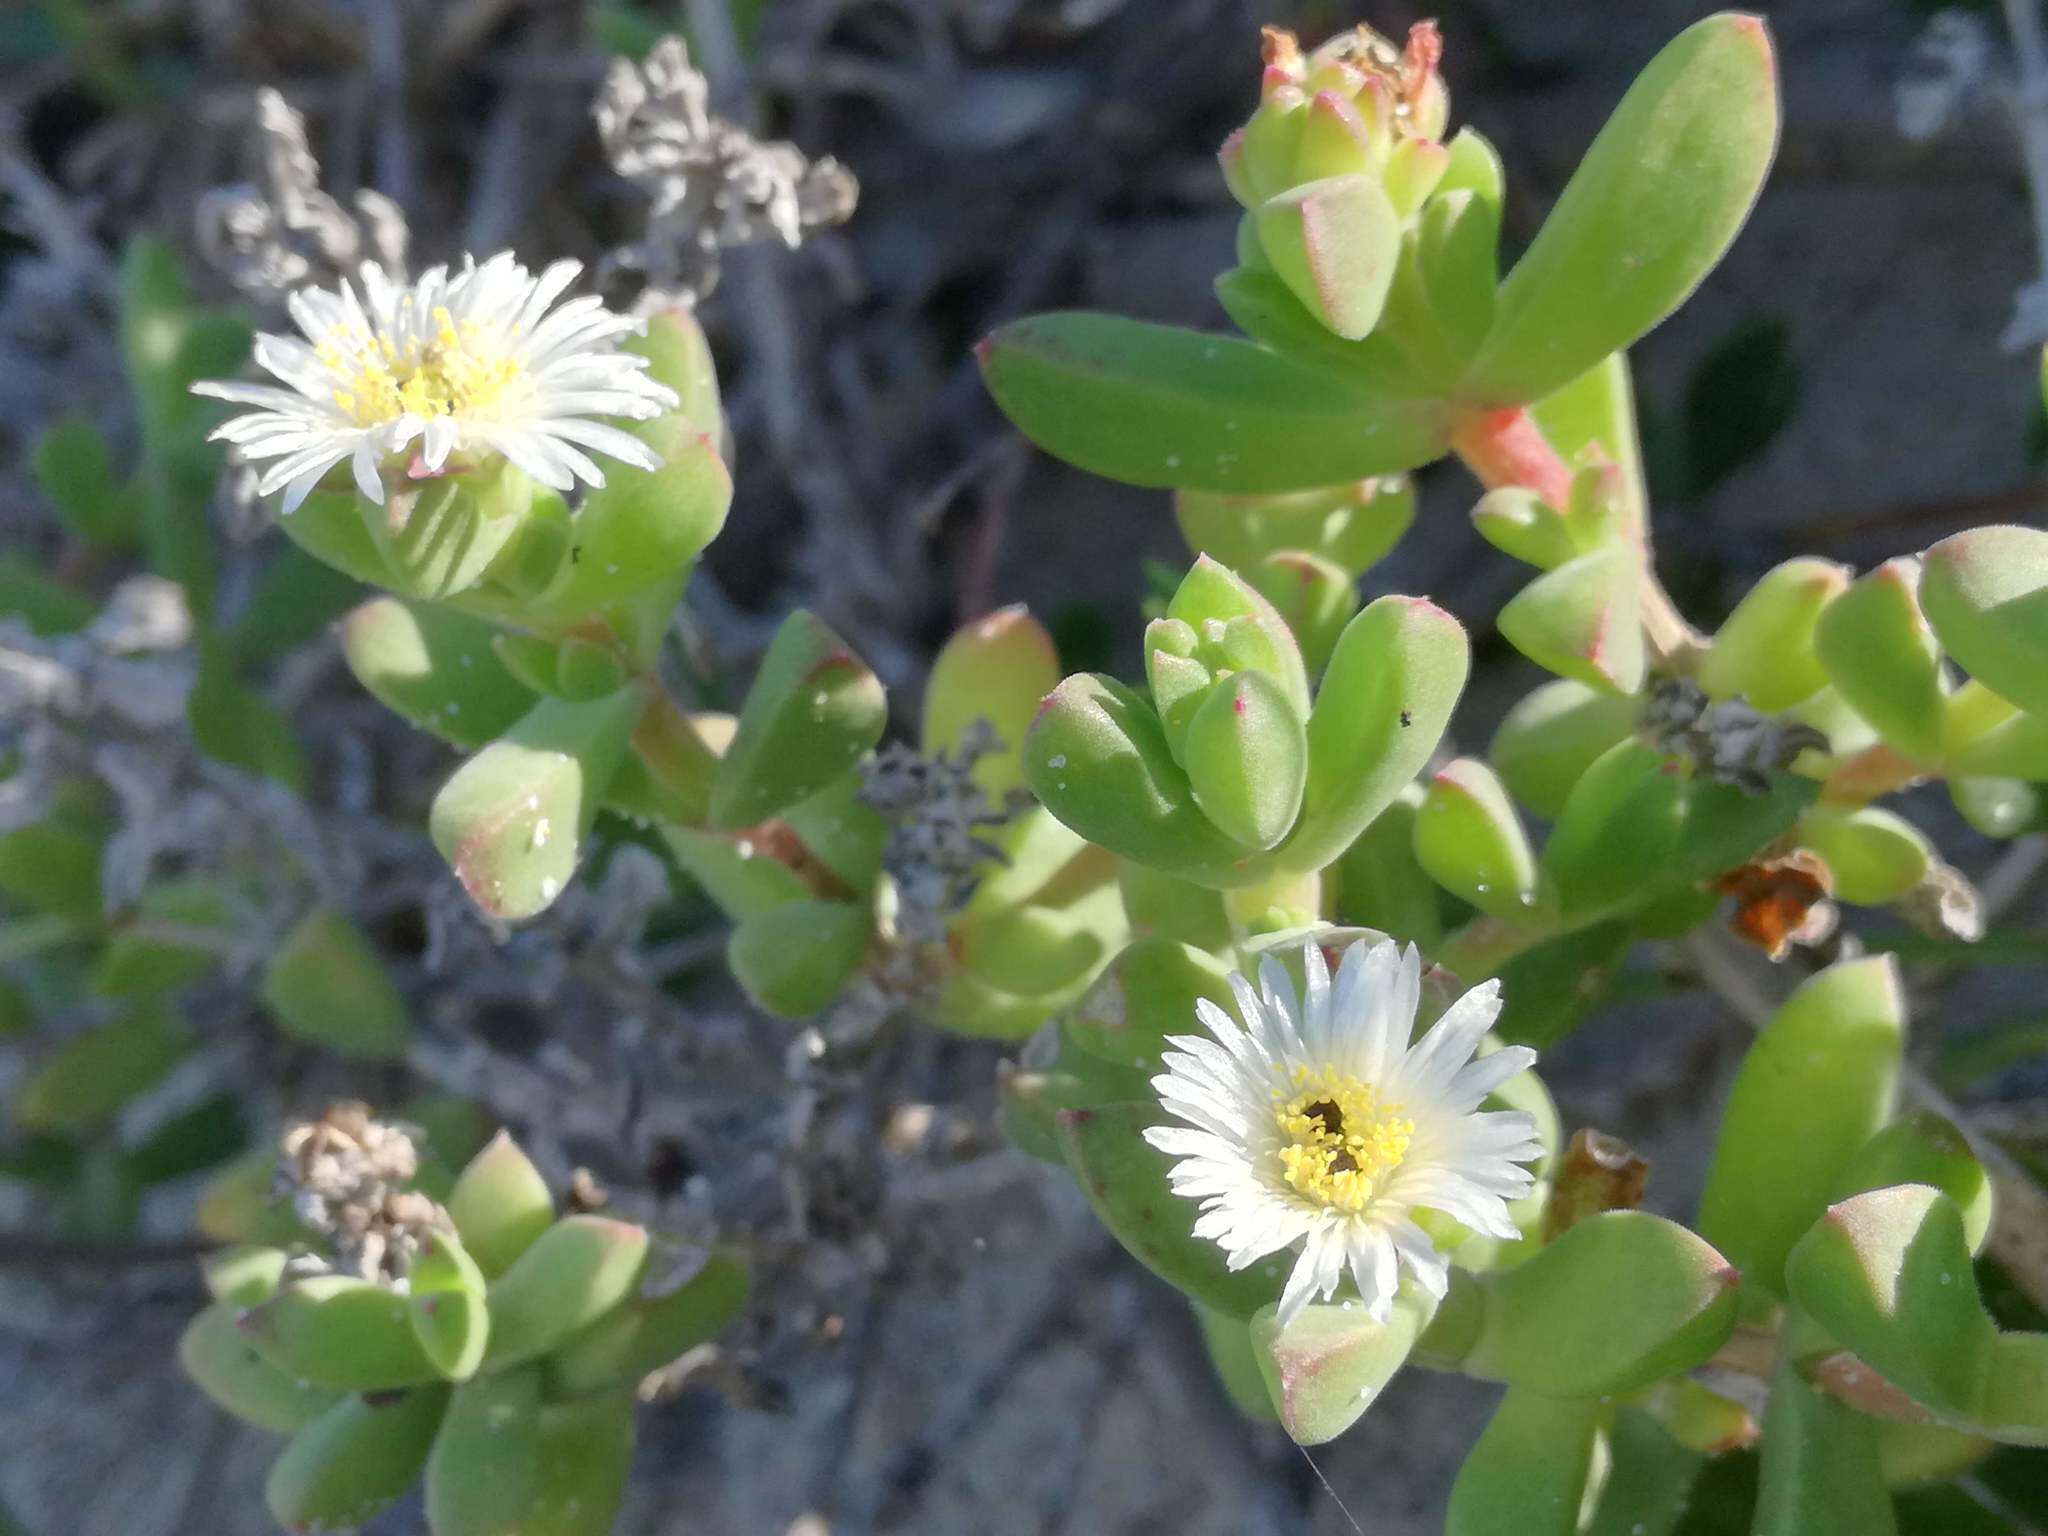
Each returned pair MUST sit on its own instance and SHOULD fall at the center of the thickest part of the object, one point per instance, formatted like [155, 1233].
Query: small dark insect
[576, 556]
[1343, 1162]
[1327, 1112]
[1407, 719]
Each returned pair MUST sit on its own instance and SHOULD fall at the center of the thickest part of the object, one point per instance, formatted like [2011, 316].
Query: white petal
[1373, 1271]
[1437, 1056]
[1315, 1272]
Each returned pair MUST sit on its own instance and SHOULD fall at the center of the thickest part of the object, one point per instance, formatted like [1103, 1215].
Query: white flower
[1318, 1123]
[481, 363]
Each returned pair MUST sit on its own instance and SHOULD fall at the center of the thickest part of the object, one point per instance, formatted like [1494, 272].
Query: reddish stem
[1506, 447]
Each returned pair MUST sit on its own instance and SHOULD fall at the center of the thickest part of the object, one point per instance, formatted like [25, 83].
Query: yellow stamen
[460, 372]
[1342, 1141]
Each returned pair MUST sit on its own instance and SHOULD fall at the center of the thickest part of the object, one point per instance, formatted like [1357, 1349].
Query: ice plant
[1316, 1122]
[454, 368]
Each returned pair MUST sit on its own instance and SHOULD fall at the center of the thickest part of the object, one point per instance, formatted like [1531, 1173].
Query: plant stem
[1507, 447]
[675, 756]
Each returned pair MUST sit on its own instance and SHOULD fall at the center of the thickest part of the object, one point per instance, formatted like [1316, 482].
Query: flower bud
[1235, 628]
[1246, 756]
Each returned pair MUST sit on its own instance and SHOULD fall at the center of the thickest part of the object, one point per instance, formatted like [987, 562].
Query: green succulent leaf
[1236, 1363]
[326, 985]
[1328, 1365]
[1766, 651]
[572, 1274]
[218, 1358]
[1124, 1178]
[649, 1332]
[47, 605]
[1469, 839]
[1592, 419]
[506, 1461]
[1620, 1300]
[641, 527]
[1821, 1474]
[1381, 884]
[1334, 242]
[244, 1274]
[1880, 653]
[354, 1461]
[679, 355]
[449, 1315]
[1985, 592]
[814, 711]
[173, 939]
[1650, 1477]
[996, 669]
[500, 1205]
[234, 723]
[339, 1331]
[1658, 198]
[511, 821]
[1097, 757]
[1152, 405]
[1583, 620]
[1385, 701]
[1876, 857]
[1353, 526]
[73, 469]
[1827, 1064]
[1313, 596]
[1887, 1274]
[1923, 1148]
[1531, 1471]
[93, 1075]
[1246, 758]
[1553, 735]
[1148, 993]
[793, 960]
[439, 669]
[1638, 826]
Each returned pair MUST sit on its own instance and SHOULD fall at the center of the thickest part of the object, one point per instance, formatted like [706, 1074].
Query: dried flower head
[712, 185]
[345, 1176]
[278, 230]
